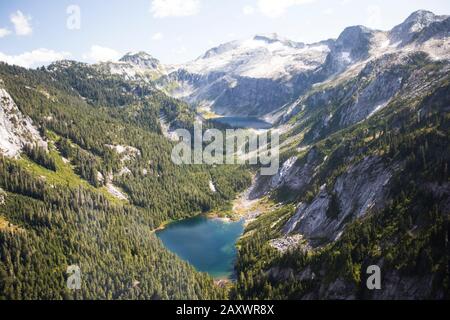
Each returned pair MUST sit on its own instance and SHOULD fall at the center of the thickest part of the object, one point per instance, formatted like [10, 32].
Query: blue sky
[33, 33]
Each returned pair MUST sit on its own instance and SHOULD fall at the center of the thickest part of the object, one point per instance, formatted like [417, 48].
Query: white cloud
[101, 54]
[157, 36]
[276, 8]
[4, 32]
[373, 16]
[21, 23]
[174, 8]
[34, 58]
[248, 10]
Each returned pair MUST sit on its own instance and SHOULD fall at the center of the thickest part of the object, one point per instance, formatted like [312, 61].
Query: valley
[86, 174]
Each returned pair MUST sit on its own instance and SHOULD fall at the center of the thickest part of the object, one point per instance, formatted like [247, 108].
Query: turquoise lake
[244, 122]
[208, 244]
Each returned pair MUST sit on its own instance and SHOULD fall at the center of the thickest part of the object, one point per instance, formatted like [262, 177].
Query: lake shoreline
[191, 238]
[243, 210]
[237, 122]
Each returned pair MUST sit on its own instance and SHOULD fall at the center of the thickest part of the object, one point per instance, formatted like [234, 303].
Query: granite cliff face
[16, 129]
[360, 190]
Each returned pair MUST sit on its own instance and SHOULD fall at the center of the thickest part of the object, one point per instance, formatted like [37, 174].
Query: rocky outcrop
[378, 83]
[363, 188]
[288, 242]
[417, 22]
[394, 286]
[352, 46]
[293, 174]
[142, 60]
[16, 129]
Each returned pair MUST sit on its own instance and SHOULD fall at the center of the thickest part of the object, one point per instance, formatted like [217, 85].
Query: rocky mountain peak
[423, 17]
[274, 38]
[220, 49]
[415, 23]
[352, 45]
[269, 38]
[353, 34]
[141, 59]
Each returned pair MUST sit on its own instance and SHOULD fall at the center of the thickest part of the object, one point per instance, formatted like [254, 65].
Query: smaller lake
[244, 122]
[208, 244]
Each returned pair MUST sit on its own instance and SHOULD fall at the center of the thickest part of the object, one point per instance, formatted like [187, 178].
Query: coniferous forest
[358, 208]
[57, 212]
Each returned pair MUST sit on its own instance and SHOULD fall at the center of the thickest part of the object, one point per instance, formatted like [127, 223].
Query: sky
[35, 33]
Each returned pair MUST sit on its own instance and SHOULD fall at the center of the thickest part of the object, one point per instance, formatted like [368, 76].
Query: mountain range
[86, 175]
[257, 76]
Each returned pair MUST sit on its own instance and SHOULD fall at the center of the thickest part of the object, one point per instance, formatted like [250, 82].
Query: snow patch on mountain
[260, 57]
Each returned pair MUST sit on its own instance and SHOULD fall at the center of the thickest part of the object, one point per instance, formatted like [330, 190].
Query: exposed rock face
[339, 289]
[401, 287]
[311, 220]
[142, 60]
[127, 152]
[283, 172]
[2, 196]
[252, 97]
[362, 93]
[361, 189]
[437, 29]
[288, 242]
[166, 128]
[116, 192]
[250, 77]
[418, 21]
[352, 46]
[230, 95]
[16, 129]
[394, 287]
[136, 67]
[293, 175]
[212, 187]
[379, 82]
